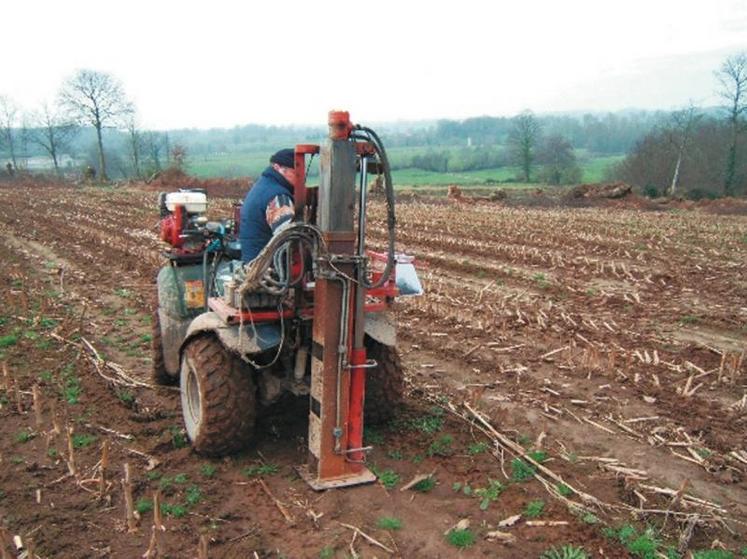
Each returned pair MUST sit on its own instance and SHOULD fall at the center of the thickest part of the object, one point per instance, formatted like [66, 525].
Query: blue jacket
[254, 231]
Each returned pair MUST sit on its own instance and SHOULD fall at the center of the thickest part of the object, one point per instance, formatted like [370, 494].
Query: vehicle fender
[381, 327]
[243, 340]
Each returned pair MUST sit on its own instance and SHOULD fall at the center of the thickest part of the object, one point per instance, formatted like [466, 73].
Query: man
[268, 206]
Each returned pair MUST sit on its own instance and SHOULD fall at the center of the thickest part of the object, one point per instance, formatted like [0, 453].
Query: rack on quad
[308, 316]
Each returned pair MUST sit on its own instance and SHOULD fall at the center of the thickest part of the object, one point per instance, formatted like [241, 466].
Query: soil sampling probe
[309, 316]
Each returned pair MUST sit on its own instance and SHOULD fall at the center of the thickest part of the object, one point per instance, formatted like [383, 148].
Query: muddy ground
[607, 343]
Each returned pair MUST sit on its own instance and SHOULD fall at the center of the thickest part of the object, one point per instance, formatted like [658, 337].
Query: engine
[184, 226]
[183, 219]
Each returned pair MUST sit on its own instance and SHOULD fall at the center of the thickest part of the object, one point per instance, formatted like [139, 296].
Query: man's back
[268, 205]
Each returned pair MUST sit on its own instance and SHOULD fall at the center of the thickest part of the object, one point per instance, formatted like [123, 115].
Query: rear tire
[218, 397]
[160, 374]
[384, 383]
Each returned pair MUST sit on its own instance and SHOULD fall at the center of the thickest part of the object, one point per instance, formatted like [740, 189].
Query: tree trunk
[676, 175]
[102, 163]
[731, 163]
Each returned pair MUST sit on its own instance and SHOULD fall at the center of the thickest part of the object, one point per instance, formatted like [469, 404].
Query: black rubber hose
[391, 219]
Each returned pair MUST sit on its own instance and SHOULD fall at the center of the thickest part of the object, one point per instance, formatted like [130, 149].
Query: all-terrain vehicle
[308, 316]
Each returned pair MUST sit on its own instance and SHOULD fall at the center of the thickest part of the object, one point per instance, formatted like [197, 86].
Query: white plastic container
[193, 202]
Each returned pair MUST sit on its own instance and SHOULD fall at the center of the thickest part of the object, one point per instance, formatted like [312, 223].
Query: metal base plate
[317, 484]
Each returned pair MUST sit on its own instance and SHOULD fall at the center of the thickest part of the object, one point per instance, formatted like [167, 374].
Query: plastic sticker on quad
[194, 294]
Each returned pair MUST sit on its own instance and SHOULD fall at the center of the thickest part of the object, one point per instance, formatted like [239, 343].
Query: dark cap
[284, 158]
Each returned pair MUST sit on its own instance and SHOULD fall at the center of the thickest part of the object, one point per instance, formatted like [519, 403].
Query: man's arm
[279, 213]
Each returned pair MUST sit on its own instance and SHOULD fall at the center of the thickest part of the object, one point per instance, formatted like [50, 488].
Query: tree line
[694, 152]
[693, 149]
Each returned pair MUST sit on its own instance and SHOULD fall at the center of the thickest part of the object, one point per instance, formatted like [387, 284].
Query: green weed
[9, 340]
[590, 518]
[153, 475]
[327, 552]
[389, 523]
[477, 448]
[534, 509]
[175, 511]
[123, 292]
[490, 493]
[52, 453]
[395, 454]
[181, 478]
[178, 438]
[689, 319]
[144, 505]
[538, 456]
[48, 323]
[563, 489]
[425, 485]
[258, 470]
[24, 436]
[82, 440]
[461, 538]
[72, 390]
[521, 470]
[125, 396]
[45, 376]
[714, 554]
[146, 338]
[441, 446]
[565, 552]
[208, 470]
[193, 495]
[388, 478]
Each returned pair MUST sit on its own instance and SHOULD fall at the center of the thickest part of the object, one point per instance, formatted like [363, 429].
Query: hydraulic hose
[389, 192]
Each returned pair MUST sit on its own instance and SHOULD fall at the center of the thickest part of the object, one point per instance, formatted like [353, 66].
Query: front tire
[160, 374]
[384, 383]
[218, 397]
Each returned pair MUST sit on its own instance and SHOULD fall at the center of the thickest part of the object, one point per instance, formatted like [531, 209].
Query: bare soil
[610, 339]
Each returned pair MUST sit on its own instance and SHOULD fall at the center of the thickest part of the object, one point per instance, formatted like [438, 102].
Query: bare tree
[683, 123]
[733, 79]
[559, 165]
[52, 132]
[8, 123]
[97, 99]
[522, 141]
[136, 144]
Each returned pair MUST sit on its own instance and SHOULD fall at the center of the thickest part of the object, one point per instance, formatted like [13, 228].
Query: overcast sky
[216, 63]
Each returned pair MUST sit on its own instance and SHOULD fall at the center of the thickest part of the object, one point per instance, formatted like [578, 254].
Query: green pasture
[252, 164]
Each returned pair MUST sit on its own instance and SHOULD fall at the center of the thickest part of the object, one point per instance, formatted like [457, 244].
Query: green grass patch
[327, 552]
[477, 448]
[178, 437]
[714, 554]
[689, 319]
[521, 470]
[9, 340]
[193, 495]
[489, 494]
[389, 523]
[534, 509]
[441, 446]
[371, 435]
[175, 511]
[82, 440]
[563, 489]
[461, 539]
[144, 505]
[24, 436]
[208, 470]
[425, 485]
[258, 470]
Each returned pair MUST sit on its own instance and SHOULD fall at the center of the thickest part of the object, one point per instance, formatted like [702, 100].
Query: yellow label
[194, 294]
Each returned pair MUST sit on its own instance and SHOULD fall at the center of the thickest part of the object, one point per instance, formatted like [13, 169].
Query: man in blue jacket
[268, 206]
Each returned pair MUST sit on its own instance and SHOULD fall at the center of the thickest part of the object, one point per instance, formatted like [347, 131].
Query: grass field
[252, 164]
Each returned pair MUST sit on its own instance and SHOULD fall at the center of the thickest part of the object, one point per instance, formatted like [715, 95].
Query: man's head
[283, 162]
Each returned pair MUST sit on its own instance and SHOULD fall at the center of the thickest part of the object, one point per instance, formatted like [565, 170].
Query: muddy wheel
[218, 397]
[384, 383]
[160, 374]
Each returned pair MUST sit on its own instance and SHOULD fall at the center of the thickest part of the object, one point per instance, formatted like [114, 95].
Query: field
[577, 377]
[251, 164]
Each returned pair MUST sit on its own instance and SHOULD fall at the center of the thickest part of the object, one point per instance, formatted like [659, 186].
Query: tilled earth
[608, 343]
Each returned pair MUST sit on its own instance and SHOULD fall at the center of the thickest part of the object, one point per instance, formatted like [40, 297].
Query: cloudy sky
[220, 63]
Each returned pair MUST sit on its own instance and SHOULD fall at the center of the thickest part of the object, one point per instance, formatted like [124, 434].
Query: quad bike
[310, 316]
